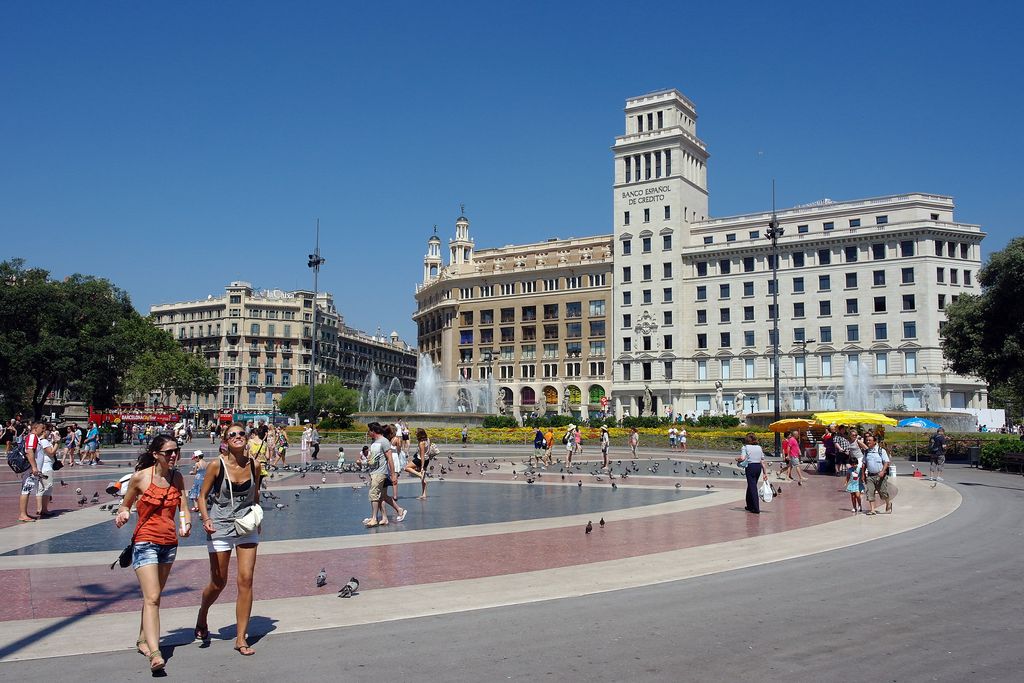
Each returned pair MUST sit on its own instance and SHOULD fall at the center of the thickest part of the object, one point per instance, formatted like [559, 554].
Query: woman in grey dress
[230, 488]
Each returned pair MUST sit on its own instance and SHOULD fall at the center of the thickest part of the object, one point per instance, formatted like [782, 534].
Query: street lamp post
[803, 344]
[773, 233]
[315, 261]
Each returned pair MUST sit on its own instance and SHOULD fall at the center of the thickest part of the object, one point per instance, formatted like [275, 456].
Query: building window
[667, 317]
[748, 313]
[597, 307]
[967, 278]
[627, 320]
[551, 285]
[748, 289]
[627, 274]
[798, 285]
[826, 365]
[878, 278]
[942, 302]
[851, 307]
[854, 222]
[646, 245]
[646, 295]
[666, 240]
[755, 234]
[702, 341]
[627, 372]
[702, 269]
[881, 363]
[666, 270]
[724, 266]
[881, 331]
[824, 308]
[723, 315]
[910, 362]
[596, 328]
[702, 370]
[730, 237]
[851, 280]
[646, 272]
[748, 264]
[726, 368]
[798, 310]
[748, 368]
[907, 248]
[748, 338]
[878, 251]
[802, 229]
[726, 340]
[627, 247]
[627, 343]
[709, 239]
[851, 254]
[907, 276]
[825, 334]
[954, 276]
[723, 291]
[799, 335]
[879, 304]
[668, 369]
[909, 302]
[646, 367]
[702, 293]
[824, 283]
[909, 329]
[668, 209]
[597, 348]
[852, 333]
[702, 316]
[828, 225]
[881, 220]
[798, 259]
[666, 295]
[824, 257]
[647, 215]
[667, 342]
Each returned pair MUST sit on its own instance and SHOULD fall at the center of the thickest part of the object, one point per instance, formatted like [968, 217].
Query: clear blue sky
[172, 147]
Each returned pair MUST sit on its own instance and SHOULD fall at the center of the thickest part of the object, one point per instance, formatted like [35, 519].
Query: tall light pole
[315, 261]
[803, 343]
[773, 233]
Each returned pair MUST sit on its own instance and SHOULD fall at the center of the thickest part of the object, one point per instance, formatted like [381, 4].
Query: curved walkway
[59, 602]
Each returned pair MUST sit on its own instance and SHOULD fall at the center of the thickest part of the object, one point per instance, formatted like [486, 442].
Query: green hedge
[499, 421]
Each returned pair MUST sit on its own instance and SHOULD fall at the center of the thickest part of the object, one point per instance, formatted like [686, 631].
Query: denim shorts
[152, 553]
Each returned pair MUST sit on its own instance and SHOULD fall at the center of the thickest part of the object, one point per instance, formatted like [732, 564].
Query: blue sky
[173, 147]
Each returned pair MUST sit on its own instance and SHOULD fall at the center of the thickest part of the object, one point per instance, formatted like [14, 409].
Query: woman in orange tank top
[155, 489]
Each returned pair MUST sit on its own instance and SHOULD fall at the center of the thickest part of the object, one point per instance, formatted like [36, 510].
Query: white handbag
[251, 520]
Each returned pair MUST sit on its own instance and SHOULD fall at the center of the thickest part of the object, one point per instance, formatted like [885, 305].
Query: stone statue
[741, 411]
[648, 401]
[565, 402]
[719, 401]
[499, 402]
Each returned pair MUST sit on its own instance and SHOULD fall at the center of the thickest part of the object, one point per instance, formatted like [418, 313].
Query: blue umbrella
[921, 422]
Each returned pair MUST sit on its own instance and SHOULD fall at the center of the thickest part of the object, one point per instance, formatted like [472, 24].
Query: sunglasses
[232, 435]
[172, 450]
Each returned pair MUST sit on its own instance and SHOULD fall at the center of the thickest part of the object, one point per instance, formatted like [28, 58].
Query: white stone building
[862, 287]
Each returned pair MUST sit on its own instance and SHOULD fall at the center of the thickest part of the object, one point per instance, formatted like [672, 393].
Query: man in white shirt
[36, 480]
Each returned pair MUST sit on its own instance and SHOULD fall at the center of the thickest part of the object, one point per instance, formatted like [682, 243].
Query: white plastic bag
[766, 492]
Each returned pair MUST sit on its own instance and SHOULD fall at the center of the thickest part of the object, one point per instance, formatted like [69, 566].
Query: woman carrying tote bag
[227, 506]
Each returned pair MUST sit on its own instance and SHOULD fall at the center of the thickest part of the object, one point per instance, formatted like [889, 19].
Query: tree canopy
[984, 333]
[333, 403]
[81, 334]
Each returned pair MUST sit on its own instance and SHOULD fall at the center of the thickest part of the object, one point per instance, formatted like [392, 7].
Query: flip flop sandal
[401, 517]
[371, 524]
[153, 666]
[239, 648]
[138, 647]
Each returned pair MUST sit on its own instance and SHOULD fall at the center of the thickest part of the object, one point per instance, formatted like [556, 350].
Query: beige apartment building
[260, 342]
[534, 317]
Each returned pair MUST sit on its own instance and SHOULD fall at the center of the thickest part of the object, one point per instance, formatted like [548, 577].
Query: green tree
[984, 333]
[81, 334]
[333, 403]
[163, 365]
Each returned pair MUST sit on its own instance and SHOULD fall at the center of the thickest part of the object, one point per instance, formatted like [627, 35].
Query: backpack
[17, 460]
[565, 439]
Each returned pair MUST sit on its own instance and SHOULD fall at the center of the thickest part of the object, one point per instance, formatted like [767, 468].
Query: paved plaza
[493, 577]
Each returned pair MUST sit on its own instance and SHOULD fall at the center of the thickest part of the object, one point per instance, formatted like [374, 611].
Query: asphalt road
[940, 603]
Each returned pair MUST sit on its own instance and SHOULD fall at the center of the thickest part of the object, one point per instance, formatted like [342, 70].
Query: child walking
[853, 485]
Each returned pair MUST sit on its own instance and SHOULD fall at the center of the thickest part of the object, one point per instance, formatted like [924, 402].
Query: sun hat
[197, 454]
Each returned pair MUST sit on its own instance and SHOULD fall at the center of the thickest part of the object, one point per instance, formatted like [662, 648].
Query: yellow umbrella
[789, 424]
[849, 417]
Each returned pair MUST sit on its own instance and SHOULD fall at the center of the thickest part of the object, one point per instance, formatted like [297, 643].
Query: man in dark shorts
[937, 450]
